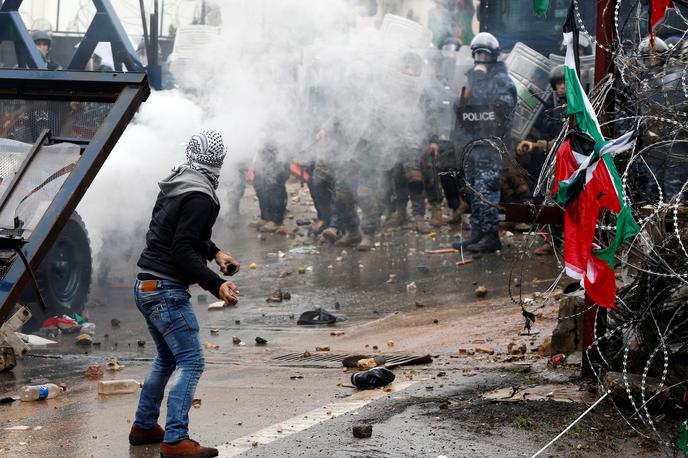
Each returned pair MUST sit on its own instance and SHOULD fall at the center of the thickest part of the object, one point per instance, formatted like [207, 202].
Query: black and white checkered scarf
[205, 153]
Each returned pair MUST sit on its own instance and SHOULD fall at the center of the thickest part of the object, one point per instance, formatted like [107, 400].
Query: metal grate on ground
[335, 359]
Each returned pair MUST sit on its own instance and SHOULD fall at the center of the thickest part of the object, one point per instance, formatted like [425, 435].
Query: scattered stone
[392, 279]
[253, 265]
[84, 340]
[296, 377]
[366, 363]
[141, 343]
[423, 269]
[216, 306]
[436, 321]
[363, 431]
[307, 354]
[113, 364]
[94, 372]
[337, 306]
[242, 344]
[322, 348]
[337, 333]
[375, 347]
[545, 349]
[196, 403]
[302, 270]
[390, 343]
[558, 294]
[516, 348]
[236, 340]
[441, 374]
[481, 291]
[411, 287]
[115, 322]
[261, 341]
[210, 346]
[214, 332]
[466, 351]
[237, 322]
[483, 350]
[444, 406]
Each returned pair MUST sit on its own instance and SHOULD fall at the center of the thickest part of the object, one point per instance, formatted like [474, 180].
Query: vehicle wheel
[64, 276]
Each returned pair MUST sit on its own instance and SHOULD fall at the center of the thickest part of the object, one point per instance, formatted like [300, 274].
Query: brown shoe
[186, 448]
[436, 217]
[138, 436]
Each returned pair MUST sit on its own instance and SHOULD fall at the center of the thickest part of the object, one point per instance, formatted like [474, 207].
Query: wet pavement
[250, 399]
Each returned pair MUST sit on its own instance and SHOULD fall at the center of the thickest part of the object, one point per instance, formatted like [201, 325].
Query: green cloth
[540, 7]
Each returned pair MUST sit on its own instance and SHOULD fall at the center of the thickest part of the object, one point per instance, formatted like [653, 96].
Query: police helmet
[556, 75]
[485, 42]
[451, 44]
[41, 35]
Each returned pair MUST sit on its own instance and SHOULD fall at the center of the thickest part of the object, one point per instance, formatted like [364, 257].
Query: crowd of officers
[359, 188]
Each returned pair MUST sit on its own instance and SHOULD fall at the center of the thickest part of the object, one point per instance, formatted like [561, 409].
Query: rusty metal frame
[126, 92]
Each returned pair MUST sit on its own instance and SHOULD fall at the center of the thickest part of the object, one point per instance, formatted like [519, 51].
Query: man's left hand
[225, 261]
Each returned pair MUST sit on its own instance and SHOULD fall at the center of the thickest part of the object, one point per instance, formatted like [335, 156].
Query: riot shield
[529, 71]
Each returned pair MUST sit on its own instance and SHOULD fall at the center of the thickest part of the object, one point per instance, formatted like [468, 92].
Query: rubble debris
[8, 359]
[467, 351]
[84, 340]
[113, 364]
[366, 364]
[375, 347]
[88, 328]
[322, 348]
[94, 372]
[558, 393]
[485, 351]
[210, 346]
[196, 403]
[545, 349]
[352, 361]
[278, 296]
[436, 321]
[307, 354]
[568, 334]
[141, 343]
[301, 270]
[318, 316]
[118, 386]
[390, 343]
[337, 333]
[253, 266]
[516, 348]
[616, 383]
[392, 279]
[115, 322]
[296, 377]
[372, 378]
[8, 400]
[362, 431]
[411, 287]
[261, 341]
[423, 269]
[216, 306]
[237, 322]
[214, 332]
[236, 340]
[481, 291]
[442, 251]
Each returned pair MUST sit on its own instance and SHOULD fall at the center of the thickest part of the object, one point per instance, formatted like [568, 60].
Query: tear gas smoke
[277, 72]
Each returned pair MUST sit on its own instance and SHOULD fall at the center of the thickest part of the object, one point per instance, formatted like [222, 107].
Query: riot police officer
[484, 112]
[43, 42]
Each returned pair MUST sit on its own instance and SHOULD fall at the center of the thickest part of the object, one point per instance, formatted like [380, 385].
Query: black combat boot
[489, 243]
[474, 238]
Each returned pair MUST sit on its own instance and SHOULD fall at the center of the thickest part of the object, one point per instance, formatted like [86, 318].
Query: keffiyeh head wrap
[205, 153]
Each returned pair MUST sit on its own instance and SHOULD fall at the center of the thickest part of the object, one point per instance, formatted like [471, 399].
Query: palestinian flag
[586, 181]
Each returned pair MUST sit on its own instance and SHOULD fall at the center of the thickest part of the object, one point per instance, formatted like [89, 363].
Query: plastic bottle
[373, 378]
[118, 386]
[40, 392]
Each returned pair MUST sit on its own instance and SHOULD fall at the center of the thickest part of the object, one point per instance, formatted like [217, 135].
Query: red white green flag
[586, 181]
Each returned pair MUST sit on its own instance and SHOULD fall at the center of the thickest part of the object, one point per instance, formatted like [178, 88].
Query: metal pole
[162, 17]
[57, 19]
[144, 23]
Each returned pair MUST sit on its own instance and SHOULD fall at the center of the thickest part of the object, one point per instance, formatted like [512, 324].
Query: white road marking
[307, 420]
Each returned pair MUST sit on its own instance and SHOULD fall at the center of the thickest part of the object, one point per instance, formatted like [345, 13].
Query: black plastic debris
[319, 316]
[373, 378]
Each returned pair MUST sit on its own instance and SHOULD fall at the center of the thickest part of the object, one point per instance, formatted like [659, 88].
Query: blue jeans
[173, 325]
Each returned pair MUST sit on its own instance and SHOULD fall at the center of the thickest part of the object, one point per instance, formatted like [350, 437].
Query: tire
[64, 276]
